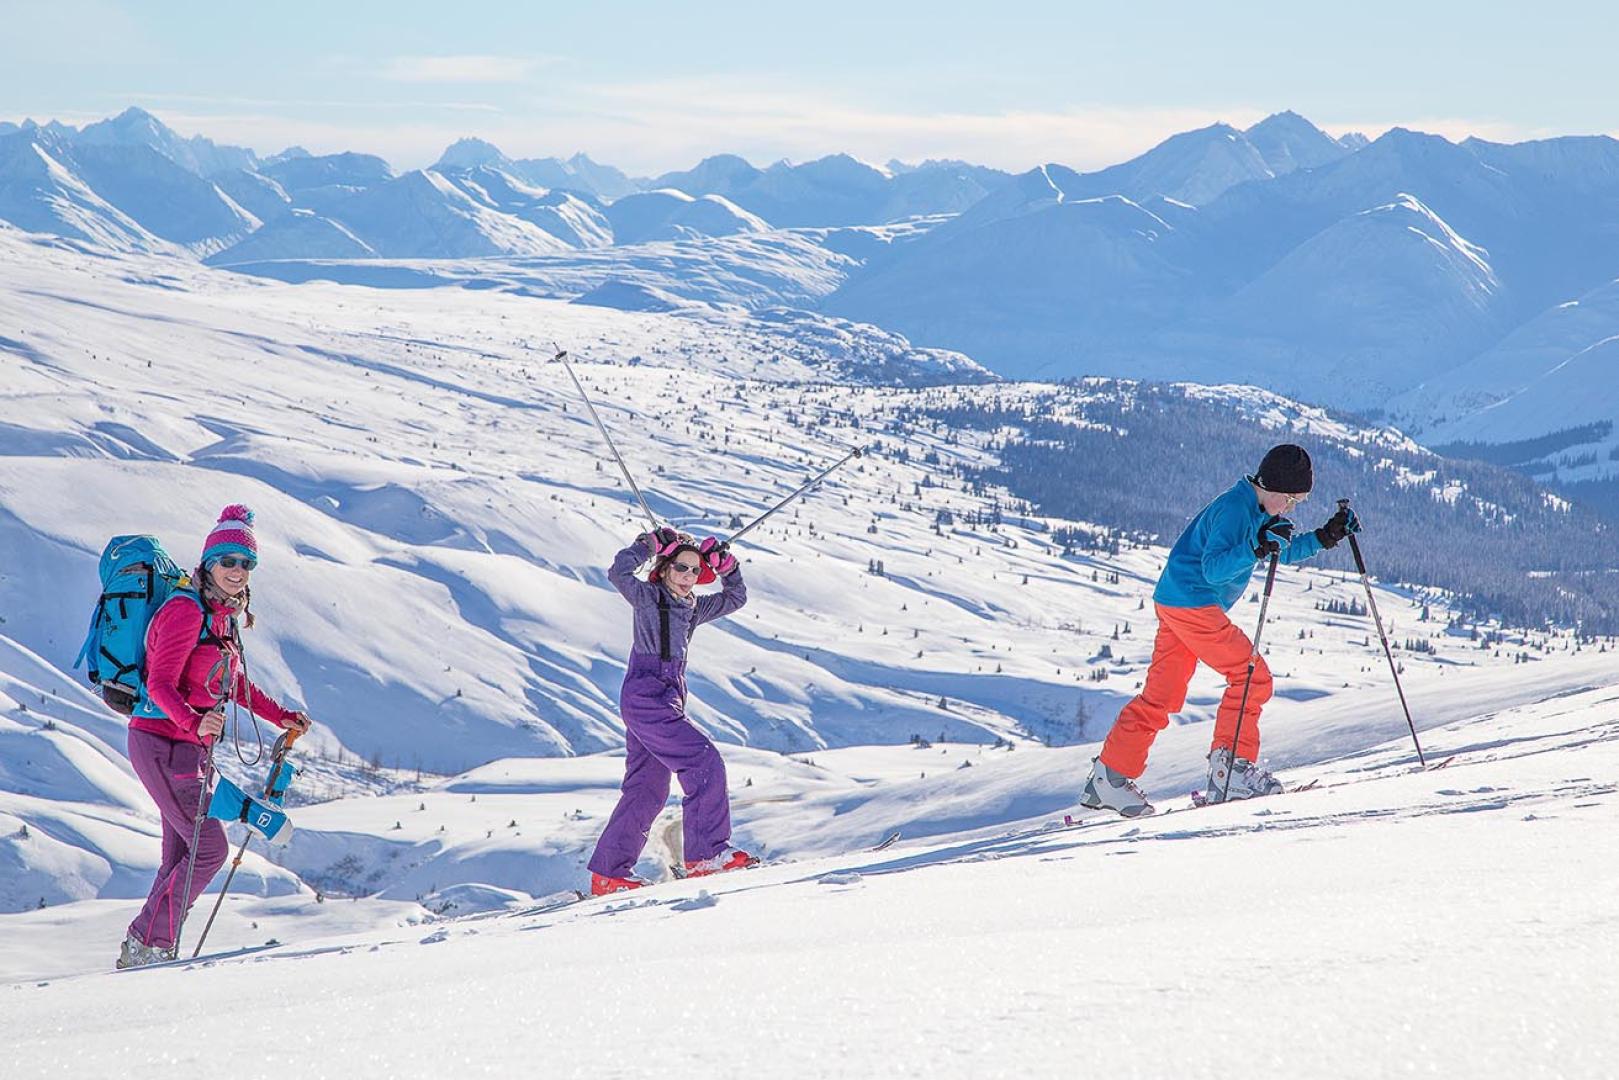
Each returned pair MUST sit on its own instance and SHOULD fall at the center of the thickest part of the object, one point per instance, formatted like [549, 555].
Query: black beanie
[1286, 470]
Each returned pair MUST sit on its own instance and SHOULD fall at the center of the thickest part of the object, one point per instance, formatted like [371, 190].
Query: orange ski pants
[1186, 636]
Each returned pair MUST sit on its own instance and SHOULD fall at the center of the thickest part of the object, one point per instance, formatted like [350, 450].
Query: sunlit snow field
[435, 513]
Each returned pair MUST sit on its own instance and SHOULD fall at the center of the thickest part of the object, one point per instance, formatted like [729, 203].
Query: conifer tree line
[1142, 458]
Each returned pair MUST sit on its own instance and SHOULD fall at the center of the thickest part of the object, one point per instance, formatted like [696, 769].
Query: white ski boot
[1109, 790]
[1248, 781]
[136, 953]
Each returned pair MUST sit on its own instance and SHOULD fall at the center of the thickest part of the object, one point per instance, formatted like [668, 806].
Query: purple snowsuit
[658, 737]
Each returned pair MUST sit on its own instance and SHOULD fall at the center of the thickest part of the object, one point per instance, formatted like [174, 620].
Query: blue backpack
[137, 578]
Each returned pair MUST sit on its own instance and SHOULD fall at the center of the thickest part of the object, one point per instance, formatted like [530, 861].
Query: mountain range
[1453, 288]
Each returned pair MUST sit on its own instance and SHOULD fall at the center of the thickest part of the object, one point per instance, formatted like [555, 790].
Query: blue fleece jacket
[1214, 559]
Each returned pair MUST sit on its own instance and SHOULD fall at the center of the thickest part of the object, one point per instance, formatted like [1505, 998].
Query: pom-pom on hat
[233, 535]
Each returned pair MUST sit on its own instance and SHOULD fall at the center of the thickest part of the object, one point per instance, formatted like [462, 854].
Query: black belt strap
[663, 624]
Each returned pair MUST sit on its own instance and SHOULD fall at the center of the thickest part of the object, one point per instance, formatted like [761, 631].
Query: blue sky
[655, 86]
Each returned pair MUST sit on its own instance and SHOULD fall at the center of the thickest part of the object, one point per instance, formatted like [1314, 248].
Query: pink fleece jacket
[178, 670]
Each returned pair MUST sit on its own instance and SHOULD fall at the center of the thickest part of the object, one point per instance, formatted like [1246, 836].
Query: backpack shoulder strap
[206, 635]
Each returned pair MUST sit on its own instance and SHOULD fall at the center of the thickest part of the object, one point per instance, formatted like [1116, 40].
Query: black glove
[1275, 532]
[1337, 527]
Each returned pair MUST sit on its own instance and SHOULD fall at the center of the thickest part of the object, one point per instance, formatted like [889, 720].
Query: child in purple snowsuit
[659, 739]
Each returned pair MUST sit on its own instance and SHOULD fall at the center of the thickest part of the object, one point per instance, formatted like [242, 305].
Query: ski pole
[1253, 662]
[196, 838]
[227, 678]
[817, 478]
[277, 756]
[1394, 670]
[562, 355]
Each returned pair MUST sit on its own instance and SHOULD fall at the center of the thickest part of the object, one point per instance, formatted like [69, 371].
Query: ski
[185, 961]
[554, 902]
[1200, 799]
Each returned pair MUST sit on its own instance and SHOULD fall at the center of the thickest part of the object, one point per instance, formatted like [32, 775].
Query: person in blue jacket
[1208, 571]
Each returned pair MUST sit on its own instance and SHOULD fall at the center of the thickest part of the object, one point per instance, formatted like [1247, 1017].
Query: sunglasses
[1294, 500]
[685, 568]
[231, 562]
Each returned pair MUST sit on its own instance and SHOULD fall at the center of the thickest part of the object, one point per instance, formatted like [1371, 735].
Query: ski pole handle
[1354, 545]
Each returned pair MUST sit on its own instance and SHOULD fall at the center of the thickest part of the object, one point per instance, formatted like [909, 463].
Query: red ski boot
[602, 885]
[729, 859]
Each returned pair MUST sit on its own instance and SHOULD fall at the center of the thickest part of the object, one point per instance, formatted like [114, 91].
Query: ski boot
[1110, 790]
[729, 859]
[1248, 781]
[136, 953]
[602, 885]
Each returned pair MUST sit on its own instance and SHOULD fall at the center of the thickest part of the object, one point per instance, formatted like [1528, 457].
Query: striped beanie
[233, 535]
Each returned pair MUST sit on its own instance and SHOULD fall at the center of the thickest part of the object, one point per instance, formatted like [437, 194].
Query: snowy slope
[422, 215]
[436, 511]
[1376, 277]
[1547, 375]
[1384, 924]
[667, 214]
[1023, 275]
[564, 215]
[167, 199]
[749, 269]
[39, 192]
[75, 824]
[296, 234]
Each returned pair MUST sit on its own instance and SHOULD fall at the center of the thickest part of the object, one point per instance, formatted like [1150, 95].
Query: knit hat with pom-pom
[233, 535]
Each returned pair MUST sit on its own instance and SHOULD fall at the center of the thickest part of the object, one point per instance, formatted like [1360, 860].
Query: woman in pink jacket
[193, 667]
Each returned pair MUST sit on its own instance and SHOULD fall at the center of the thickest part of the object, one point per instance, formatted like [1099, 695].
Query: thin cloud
[651, 127]
[462, 69]
[227, 102]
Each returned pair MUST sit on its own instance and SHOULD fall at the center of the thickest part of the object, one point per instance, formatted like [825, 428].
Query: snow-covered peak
[345, 170]
[1584, 162]
[1408, 212]
[470, 153]
[721, 174]
[137, 127]
[1192, 166]
[836, 168]
[670, 214]
[1287, 141]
